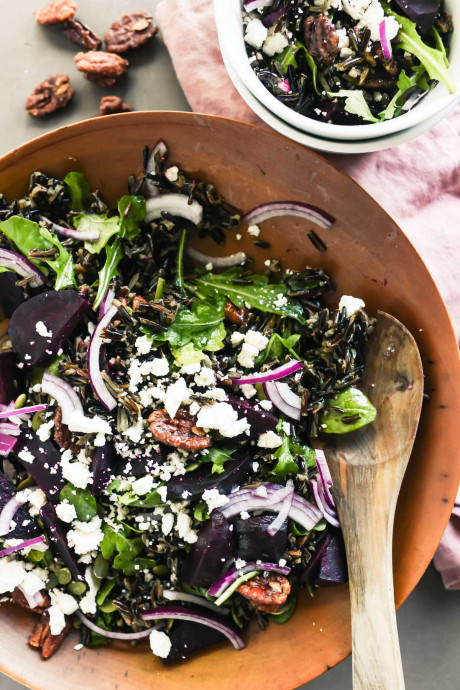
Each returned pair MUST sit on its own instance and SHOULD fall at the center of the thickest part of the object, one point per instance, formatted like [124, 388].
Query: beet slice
[252, 541]
[260, 420]
[46, 465]
[8, 377]
[188, 637]
[235, 472]
[58, 541]
[209, 556]
[11, 295]
[328, 565]
[105, 467]
[422, 12]
[60, 311]
[25, 526]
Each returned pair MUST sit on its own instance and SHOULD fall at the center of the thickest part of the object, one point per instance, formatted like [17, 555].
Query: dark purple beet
[273, 17]
[105, 467]
[209, 556]
[60, 311]
[328, 565]
[8, 369]
[11, 295]
[46, 467]
[58, 541]
[260, 420]
[252, 541]
[188, 637]
[137, 467]
[26, 527]
[421, 12]
[235, 472]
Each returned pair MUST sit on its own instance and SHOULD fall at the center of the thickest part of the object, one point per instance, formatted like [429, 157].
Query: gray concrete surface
[429, 621]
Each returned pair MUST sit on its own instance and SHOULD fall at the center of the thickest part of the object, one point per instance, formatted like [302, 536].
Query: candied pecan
[132, 31]
[266, 593]
[56, 12]
[41, 636]
[235, 315]
[180, 432]
[321, 39]
[101, 64]
[82, 35]
[104, 82]
[50, 95]
[113, 104]
[62, 434]
[19, 598]
[137, 299]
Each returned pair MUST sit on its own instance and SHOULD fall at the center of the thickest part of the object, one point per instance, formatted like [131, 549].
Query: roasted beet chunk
[58, 541]
[328, 565]
[8, 371]
[105, 466]
[208, 557]
[252, 541]
[42, 461]
[59, 310]
[187, 637]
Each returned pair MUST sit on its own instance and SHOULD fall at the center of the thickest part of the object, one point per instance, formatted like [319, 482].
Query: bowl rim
[40, 143]
[228, 15]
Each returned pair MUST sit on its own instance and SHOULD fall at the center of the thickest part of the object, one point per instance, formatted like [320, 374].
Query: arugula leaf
[25, 235]
[218, 457]
[80, 190]
[105, 226]
[127, 549]
[114, 254]
[404, 83]
[62, 265]
[432, 58]
[201, 325]
[440, 45]
[180, 261]
[312, 65]
[200, 512]
[287, 57]
[276, 347]
[187, 354]
[260, 295]
[352, 401]
[286, 463]
[85, 505]
[150, 500]
[132, 212]
[355, 103]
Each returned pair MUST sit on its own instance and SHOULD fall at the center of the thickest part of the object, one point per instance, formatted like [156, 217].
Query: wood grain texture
[367, 469]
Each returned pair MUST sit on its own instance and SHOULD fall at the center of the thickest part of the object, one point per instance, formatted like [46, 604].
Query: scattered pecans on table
[51, 95]
[132, 31]
[110, 105]
[56, 12]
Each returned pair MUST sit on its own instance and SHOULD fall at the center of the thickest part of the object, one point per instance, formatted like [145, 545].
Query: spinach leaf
[305, 452]
[353, 402]
[132, 212]
[62, 265]
[276, 347]
[201, 325]
[150, 500]
[355, 103]
[218, 457]
[200, 512]
[80, 191]
[187, 354]
[94, 221]
[433, 59]
[312, 65]
[85, 505]
[25, 235]
[260, 294]
[114, 254]
[286, 463]
[127, 549]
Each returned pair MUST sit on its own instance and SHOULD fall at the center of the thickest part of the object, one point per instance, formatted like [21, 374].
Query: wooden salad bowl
[368, 256]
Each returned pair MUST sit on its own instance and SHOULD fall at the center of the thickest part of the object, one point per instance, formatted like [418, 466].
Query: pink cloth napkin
[418, 183]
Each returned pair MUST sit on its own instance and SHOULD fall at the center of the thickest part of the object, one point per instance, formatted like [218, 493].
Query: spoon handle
[366, 501]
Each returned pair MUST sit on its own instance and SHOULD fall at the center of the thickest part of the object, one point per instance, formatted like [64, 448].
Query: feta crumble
[42, 330]
[214, 499]
[176, 393]
[160, 643]
[254, 230]
[66, 512]
[223, 418]
[351, 304]
[256, 33]
[269, 440]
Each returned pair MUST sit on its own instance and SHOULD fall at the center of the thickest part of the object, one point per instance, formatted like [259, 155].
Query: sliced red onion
[281, 395]
[129, 637]
[23, 410]
[172, 595]
[19, 264]
[63, 393]
[10, 429]
[94, 370]
[325, 477]
[106, 302]
[284, 85]
[217, 261]
[33, 600]
[178, 613]
[328, 513]
[23, 545]
[273, 17]
[257, 5]
[7, 444]
[176, 205]
[272, 375]
[219, 586]
[159, 151]
[274, 209]
[6, 516]
[81, 235]
[285, 508]
[385, 43]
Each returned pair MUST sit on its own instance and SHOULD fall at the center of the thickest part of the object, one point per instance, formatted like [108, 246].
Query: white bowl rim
[229, 28]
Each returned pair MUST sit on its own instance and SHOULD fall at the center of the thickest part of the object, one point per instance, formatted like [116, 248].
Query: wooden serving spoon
[367, 468]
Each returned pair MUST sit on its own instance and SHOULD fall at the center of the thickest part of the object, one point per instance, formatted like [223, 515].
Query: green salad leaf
[187, 354]
[126, 549]
[277, 345]
[260, 294]
[404, 83]
[25, 235]
[218, 456]
[355, 103]
[99, 222]
[433, 59]
[114, 254]
[287, 57]
[132, 212]
[62, 265]
[286, 463]
[201, 324]
[312, 65]
[150, 500]
[440, 45]
[80, 191]
[353, 402]
[81, 499]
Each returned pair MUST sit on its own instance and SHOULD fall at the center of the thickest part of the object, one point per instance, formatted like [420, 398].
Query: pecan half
[132, 31]
[321, 39]
[100, 64]
[56, 12]
[110, 105]
[82, 35]
[52, 94]
[62, 434]
[180, 432]
[266, 593]
[19, 598]
[235, 315]
[41, 637]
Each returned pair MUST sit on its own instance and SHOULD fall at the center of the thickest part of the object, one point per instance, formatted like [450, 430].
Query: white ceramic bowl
[230, 31]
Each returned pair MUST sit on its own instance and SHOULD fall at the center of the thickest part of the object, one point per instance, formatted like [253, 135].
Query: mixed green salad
[349, 61]
[159, 409]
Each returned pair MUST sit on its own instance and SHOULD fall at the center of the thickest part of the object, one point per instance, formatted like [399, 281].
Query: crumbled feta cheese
[62, 605]
[236, 338]
[162, 491]
[190, 368]
[88, 602]
[194, 408]
[256, 339]
[287, 428]
[88, 425]
[280, 301]
[172, 173]
[254, 230]
[351, 304]
[254, 342]
[143, 344]
[244, 515]
[248, 390]
[282, 562]
[143, 485]
[209, 266]
[85, 536]
[275, 42]
[256, 33]
[216, 394]
[269, 440]
[44, 430]
[214, 499]
[206, 377]
[255, 466]
[37, 500]
[370, 14]
[159, 366]
[184, 528]
[76, 473]
[266, 405]
[167, 523]
[134, 432]
[160, 643]
[261, 491]
[222, 418]
[26, 455]
[42, 330]
[66, 512]
[239, 563]
[176, 393]
[99, 440]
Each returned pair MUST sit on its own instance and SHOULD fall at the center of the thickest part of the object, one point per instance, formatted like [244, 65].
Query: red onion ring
[176, 205]
[172, 595]
[63, 393]
[272, 375]
[159, 151]
[6, 516]
[257, 4]
[386, 44]
[274, 209]
[94, 371]
[283, 398]
[7, 444]
[219, 586]
[285, 508]
[328, 513]
[114, 635]
[23, 410]
[217, 261]
[22, 545]
[19, 264]
[106, 302]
